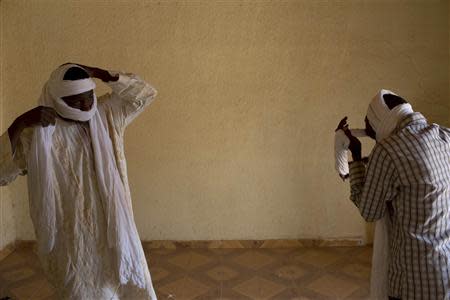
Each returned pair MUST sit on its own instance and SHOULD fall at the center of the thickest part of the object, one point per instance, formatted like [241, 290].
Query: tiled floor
[296, 273]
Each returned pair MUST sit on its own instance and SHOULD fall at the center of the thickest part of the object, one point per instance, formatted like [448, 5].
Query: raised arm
[371, 189]
[130, 94]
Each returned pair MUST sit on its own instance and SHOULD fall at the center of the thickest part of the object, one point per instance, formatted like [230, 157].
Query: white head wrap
[56, 88]
[382, 119]
[121, 230]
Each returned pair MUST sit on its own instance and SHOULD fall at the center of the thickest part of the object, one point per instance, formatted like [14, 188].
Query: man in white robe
[72, 149]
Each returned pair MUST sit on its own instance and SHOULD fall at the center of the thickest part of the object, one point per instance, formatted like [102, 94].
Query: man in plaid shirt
[407, 180]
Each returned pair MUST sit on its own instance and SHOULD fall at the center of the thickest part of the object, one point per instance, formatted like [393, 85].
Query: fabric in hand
[341, 143]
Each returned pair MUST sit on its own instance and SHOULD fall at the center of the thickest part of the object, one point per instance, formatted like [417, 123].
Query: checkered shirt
[408, 177]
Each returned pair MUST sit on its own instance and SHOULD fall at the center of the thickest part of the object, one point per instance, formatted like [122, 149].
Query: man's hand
[101, 74]
[355, 144]
[38, 116]
[342, 124]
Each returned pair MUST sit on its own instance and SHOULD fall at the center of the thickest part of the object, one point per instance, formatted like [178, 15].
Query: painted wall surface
[239, 144]
[7, 222]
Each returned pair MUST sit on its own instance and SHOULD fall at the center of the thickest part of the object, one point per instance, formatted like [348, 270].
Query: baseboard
[255, 244]
[235, 244]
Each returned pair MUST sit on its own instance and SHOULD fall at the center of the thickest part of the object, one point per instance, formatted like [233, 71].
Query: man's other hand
[38, 116]
[355, 144]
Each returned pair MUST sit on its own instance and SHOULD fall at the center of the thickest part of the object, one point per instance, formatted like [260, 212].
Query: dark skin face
[81, 101]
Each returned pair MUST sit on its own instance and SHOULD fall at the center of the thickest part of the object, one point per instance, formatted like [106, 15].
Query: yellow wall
[239, 142]
[7, 223]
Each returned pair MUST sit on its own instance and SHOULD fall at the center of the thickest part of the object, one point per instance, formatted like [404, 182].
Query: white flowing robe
[81, 266]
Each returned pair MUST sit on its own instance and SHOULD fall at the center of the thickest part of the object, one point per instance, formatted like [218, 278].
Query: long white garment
[383, 121]
[80, 262]
[379, 289]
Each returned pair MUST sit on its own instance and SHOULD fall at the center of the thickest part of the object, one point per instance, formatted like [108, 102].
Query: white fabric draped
[40, 162]
[384, 121]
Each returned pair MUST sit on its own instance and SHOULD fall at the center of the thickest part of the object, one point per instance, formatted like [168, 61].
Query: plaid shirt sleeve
[370, 189]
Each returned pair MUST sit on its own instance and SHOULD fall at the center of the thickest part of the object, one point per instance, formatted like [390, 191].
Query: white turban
[382, 119]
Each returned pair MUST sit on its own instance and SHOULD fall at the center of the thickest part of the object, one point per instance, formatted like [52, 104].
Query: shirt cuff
[357, 172]
[121, 84]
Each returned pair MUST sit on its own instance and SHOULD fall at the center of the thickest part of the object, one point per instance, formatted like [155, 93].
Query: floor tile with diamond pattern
[185, 274]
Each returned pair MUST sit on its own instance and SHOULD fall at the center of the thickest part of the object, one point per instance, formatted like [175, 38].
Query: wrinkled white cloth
[41, 179]
[384, 121]
[88, 242]
[341, 143]
[379, 288]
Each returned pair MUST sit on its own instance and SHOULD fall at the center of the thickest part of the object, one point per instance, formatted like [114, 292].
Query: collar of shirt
[415, 118]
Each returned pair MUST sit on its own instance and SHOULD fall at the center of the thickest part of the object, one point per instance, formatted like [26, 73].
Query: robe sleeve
[13, 164]
[371, 189]
[130, 96]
